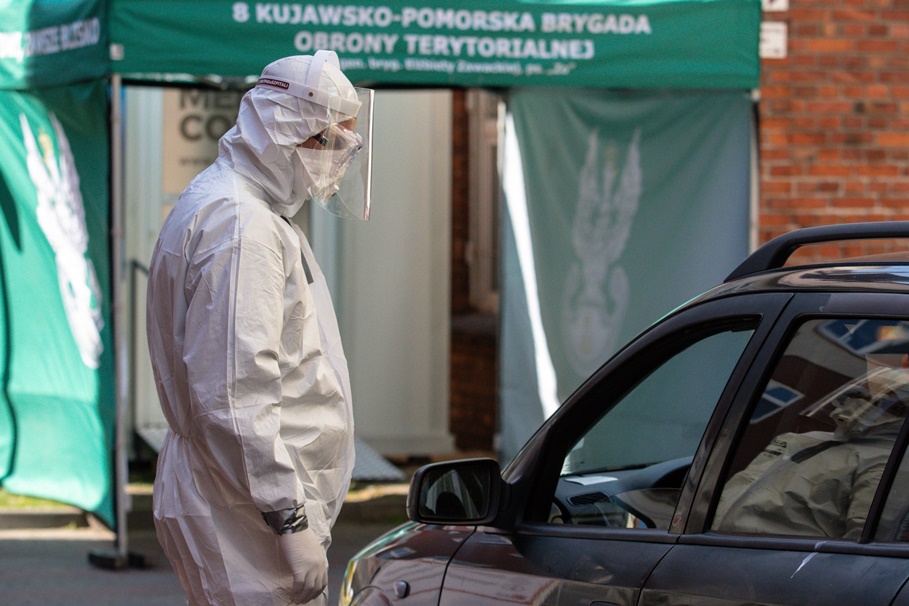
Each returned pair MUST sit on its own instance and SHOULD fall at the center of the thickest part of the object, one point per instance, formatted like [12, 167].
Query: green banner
[56, 363]
[618, 44]
[620, 207]
[50, 43]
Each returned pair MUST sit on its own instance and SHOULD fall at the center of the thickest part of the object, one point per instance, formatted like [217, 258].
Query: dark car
[749, 448]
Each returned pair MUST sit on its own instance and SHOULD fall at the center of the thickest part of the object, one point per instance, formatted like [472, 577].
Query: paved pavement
[42, 562]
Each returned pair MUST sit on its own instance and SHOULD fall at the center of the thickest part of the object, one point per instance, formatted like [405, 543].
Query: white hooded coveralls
[248, 364]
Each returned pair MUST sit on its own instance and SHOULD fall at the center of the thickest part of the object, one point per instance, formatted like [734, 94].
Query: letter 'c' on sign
[192, 127]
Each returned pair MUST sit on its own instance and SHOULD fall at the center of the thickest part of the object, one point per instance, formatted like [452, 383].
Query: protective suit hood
[271, 123]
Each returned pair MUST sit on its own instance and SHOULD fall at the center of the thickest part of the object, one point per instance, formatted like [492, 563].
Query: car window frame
[891, 471]
[534, 473]
[804, 307]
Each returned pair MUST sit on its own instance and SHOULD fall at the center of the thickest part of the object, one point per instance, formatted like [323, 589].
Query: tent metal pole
[119, 313]
[120, 558]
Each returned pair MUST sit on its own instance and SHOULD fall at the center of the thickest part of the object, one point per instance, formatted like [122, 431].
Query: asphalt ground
[44, 554]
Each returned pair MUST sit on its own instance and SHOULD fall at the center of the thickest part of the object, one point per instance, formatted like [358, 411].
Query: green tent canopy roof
[617, 44]
[47, 43]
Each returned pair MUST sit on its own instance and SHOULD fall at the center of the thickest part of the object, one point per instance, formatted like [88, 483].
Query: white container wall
[389, 277]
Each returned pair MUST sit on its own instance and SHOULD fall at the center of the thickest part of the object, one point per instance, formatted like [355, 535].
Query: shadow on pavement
[50, 566]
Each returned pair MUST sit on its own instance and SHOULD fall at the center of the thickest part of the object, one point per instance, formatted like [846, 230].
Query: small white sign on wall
[775, 5]
[774, 40]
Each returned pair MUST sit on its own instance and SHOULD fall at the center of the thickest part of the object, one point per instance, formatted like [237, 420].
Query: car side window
[811, 456]
[627, 470]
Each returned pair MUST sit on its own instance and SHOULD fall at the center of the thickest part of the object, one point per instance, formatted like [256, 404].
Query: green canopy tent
[673, 76]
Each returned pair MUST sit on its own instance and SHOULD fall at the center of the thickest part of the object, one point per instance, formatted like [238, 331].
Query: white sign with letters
[774, 40]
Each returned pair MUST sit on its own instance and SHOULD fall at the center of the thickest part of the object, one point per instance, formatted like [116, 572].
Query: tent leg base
[117, 561]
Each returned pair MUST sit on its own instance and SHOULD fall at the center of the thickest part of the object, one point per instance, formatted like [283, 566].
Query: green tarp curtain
[56, 363]
[618, 44]
[620, 207]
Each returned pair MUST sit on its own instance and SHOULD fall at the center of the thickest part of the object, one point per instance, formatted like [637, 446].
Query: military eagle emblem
[597, 291]
[61, 215]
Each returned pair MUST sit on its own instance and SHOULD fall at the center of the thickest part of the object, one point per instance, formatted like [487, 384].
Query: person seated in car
[821, 483]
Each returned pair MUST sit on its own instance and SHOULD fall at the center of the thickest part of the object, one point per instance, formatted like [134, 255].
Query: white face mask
[319, 171]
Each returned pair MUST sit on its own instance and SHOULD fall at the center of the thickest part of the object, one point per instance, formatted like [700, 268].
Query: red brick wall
[460, 211]
[473, 382]
[834, 116]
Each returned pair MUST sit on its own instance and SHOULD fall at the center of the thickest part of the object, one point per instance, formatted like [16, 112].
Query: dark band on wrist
[287, 521]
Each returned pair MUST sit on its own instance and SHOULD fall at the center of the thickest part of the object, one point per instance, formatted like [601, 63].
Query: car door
[892, 528]
[804, 498]
[593, 501]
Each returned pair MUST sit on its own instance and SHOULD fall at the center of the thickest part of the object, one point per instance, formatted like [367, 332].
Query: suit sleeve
[234, 324]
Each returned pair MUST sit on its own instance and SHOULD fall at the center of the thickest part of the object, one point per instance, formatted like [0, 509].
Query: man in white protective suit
[245, 346]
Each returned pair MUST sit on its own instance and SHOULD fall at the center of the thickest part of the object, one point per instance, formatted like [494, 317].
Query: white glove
[307, 561]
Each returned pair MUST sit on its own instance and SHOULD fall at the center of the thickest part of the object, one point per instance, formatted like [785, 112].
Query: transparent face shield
[334, 166]
[339, 162]
[878, 399]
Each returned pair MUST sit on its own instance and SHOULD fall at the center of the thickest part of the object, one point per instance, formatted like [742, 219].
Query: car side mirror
[456, 492]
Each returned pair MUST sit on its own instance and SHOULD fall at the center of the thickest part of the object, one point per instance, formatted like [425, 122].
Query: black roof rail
[774, 253]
